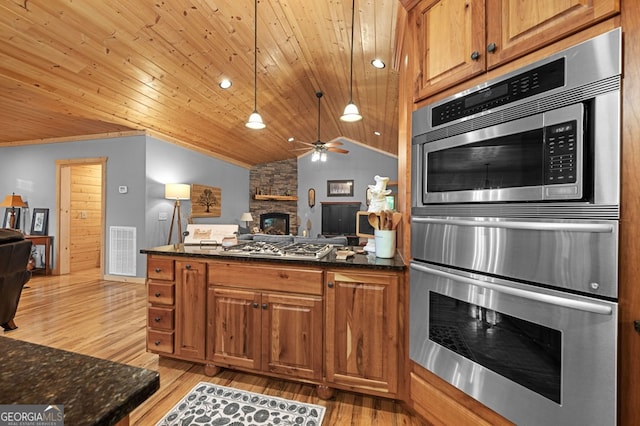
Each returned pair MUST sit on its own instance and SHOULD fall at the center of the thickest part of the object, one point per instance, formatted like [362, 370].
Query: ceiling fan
[319, 149]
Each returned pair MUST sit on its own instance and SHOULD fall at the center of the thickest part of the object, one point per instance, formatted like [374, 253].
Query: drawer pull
[157, 343]
[157, 319]
[255, 305]
[187, 266]
[158, 294]
[264, 306]
[158, 270]
[330, 284]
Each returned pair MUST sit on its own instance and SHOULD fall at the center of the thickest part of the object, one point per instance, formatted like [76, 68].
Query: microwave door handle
[533, 226]
[580, 305]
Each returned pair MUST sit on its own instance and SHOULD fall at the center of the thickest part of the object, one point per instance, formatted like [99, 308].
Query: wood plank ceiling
[72, 68]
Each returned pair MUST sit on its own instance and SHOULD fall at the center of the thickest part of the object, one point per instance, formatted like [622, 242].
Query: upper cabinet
[455, 40]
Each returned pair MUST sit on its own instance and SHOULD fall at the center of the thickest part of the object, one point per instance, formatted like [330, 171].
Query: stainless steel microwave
[548, 132]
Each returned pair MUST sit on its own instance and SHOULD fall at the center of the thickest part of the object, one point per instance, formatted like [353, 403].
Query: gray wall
[141, 163]
[360, 165]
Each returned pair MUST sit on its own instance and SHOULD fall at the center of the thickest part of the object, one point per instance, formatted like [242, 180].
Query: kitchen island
[93, 391]
[322, 320]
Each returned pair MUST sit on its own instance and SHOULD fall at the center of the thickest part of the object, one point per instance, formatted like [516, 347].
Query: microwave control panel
[560, 153]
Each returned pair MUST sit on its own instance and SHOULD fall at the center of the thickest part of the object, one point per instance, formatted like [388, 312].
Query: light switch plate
[122, 189]
[163, 216]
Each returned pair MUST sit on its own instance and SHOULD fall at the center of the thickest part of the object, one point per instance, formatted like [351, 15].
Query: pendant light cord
[353, 8]
[255, 56]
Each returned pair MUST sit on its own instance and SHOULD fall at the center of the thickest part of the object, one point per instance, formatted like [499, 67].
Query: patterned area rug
[210, 404]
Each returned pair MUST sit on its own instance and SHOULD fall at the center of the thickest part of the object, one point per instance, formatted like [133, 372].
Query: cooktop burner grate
[280, 249]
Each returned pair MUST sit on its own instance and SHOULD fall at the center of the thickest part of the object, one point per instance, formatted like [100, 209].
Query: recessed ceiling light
[291, 139]
[378, 63]
[225, 84]
[377, 133]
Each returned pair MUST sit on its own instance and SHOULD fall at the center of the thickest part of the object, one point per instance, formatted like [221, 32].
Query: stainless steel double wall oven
[514, 229]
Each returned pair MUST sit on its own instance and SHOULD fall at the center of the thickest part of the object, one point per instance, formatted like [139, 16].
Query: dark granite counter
[367, 261]
[93, 391]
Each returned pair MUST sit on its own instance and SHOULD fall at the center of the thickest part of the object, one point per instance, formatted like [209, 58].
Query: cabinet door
[292, 335]
[518, 27]
[449, 43]
[191, 305]
[234, 327]
[361, 335]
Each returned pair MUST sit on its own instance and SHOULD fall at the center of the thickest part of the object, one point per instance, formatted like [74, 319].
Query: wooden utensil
[395, 220]
[374, 221]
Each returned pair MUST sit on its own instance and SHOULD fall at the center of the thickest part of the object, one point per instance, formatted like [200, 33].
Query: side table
[46, 241]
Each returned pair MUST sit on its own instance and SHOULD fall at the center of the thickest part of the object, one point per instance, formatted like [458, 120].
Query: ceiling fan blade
[340, 150]
[306, 143]
[334, 143]
[301, 149]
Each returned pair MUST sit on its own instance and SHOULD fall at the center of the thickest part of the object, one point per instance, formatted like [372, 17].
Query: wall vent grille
[122, 250]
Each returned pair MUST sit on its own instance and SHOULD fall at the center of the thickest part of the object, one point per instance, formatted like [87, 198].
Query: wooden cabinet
[266, 330]
[191, 309]
[361, 330]
[161, 309]
[454, 40]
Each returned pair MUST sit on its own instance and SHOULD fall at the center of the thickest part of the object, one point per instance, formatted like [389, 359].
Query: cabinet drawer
[306, 281]
[161, 293]
[160, 341]
[160, 318]
[160, 269]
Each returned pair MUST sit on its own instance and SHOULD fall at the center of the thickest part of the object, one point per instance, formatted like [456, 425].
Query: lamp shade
[177, 191]
[246, 217]
[13, 200]
[351, 113]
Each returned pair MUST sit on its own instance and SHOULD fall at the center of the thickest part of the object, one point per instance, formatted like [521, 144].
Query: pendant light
[255, 120]
[351, 112]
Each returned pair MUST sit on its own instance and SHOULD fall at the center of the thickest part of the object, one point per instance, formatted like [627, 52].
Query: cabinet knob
[255, 305]
[264, 306]
[158, 270]
[187, 266]
[330, 284]
[157, 319]
[157, 343]
[475, 55]
[491, 47]
[157, 294]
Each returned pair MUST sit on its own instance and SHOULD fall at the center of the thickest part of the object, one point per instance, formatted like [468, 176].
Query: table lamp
[176, 192]
[246, 218]
[12, 201]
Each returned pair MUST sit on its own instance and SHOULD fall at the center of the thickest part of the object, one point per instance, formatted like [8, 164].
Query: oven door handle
[580, 305]
[534, 226]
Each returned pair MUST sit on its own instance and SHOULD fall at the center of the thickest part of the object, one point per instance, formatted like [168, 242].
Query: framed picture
[340, 188]
[6, 223]
[40, 222]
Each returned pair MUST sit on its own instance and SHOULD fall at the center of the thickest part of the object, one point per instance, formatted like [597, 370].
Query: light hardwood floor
[107, 319]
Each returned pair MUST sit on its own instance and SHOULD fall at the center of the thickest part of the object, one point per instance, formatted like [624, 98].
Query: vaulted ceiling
[72, 68]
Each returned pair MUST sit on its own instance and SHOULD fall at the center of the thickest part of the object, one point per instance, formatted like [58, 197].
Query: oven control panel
[560, 153]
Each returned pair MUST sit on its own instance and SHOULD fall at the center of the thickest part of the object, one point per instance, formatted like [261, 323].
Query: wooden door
[518, 27]
[234, 327]
[292, 335]
[191, 305]
[448, 48]
[361, 330]
[80, 241]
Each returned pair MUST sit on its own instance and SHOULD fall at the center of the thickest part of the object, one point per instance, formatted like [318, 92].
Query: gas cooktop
[280, 249]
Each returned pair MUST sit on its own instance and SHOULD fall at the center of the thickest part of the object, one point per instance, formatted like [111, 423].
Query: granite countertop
[368, 261]
[93, 391]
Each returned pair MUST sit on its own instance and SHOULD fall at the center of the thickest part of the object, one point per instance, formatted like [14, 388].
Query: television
[363, 228]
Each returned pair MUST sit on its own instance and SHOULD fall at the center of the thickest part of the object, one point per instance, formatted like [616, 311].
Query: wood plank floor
[107, 319]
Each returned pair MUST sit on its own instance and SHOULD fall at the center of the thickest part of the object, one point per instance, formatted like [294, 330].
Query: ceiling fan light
[351, 113]
[255, 121]
[323, 156]
[315, 156]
